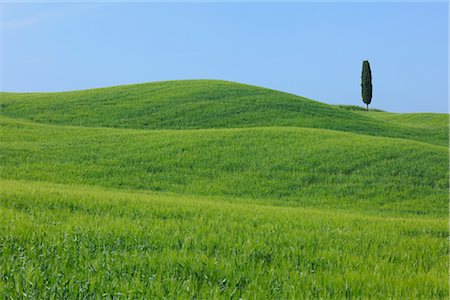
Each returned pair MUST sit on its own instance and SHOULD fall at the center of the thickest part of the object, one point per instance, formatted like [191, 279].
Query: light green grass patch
[70, 241]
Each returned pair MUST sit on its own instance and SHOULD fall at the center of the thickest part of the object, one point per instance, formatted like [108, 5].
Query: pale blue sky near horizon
[309, 49]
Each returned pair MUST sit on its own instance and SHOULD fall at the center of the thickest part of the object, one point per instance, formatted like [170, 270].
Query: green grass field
[212, 189]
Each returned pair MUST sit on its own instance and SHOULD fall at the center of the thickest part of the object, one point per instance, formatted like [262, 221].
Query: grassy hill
[297, 166]
[214, 189]
[193, 104]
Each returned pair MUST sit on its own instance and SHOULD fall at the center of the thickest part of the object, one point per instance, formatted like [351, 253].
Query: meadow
[213, 189]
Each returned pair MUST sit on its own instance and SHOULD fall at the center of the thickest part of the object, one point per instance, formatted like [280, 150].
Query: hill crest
[195, 104]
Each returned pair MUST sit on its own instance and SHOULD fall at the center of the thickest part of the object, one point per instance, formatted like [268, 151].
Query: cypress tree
[366, 83]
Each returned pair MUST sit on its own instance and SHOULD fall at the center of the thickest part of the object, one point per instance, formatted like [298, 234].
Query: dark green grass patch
[358, 108]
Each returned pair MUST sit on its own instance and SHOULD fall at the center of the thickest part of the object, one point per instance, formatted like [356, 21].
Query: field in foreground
[206, 189]
[71, 241]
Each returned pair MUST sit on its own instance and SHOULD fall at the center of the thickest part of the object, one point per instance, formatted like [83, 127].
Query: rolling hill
[215, 189]
[203, 104]
[296, 166]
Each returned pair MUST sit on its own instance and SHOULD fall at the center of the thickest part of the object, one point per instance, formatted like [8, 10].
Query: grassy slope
[418, 120]
[199, 104]
[78, 242]
[206, 234]
[421, 121]
[298, 165]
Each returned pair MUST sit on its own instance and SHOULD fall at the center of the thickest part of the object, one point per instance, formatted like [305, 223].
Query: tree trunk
[367, 107]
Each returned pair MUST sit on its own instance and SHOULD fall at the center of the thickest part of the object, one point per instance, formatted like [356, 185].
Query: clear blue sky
[310, 49]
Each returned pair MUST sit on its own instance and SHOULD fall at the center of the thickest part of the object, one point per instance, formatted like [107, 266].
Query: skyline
[308, 49]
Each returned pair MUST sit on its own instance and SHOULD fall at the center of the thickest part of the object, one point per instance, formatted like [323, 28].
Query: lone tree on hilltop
[366, 83]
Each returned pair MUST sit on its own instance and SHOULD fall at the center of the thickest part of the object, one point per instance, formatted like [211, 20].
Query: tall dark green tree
[366, 83]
